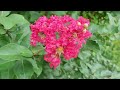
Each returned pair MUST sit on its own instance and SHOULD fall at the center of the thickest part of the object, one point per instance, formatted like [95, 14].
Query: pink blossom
[61, 36]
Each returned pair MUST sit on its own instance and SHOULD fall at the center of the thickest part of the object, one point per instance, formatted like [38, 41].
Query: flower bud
[84, 30]
[79, 23]
[86, 25]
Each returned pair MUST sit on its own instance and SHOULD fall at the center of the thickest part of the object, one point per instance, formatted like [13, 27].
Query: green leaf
[7, 74]
[38, 50]
[3, 40]
[100, 11]
[34, 16]
[6, 64]
[18, 19]
[67, 67]
[115, 75]
[11, 20]
[106, 73]
[75, 15]
[14, 51]
[25, 36]
[37, 67]
[96, 67]
[2, 31]
[23, 70]
[59, 12]
[56, 72]
[92, 45]
[93, 27]
[84, 54]
[4, 13]
[111, 19]
[26, 41]
[84, 69]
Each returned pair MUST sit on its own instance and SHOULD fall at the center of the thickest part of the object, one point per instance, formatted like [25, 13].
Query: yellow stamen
[59, 50]
[42, 35]
[74, 35]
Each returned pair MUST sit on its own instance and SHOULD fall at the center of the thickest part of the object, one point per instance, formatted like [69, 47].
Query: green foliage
[98, 59]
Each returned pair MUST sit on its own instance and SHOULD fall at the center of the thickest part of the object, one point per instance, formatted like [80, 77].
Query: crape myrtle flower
[61, 36]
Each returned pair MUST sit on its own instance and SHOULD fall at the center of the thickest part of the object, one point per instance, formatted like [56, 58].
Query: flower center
[75, 35]
[41, 34]
[59, 50]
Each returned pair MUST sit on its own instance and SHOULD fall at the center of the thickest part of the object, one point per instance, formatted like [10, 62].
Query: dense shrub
[99, 57]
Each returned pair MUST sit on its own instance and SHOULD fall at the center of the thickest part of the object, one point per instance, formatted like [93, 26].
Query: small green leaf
[115, 75]
[111, 19]
[67, 67]
[38, 50]
[93, 27]
[75, 14]
[106, 73]
[84, 55]
[59, 12]
[34, 16]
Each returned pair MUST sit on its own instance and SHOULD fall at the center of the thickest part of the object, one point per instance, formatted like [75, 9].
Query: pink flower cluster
[61, 36]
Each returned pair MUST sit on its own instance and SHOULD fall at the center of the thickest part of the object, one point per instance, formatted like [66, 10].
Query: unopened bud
[86, 25]
[79, 23]
[84, 30]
